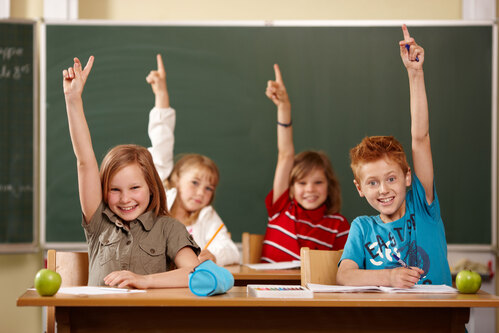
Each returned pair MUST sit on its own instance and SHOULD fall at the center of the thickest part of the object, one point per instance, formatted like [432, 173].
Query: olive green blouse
[146, 245]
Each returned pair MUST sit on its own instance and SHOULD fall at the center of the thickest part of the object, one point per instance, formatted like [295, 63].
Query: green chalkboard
[345, 82]
[16, 135]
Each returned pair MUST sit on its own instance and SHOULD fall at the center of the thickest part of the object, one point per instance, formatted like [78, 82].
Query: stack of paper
[276, 265]
[418, 288]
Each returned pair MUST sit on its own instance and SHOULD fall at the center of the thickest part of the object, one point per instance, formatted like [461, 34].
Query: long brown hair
[124, 155]
[309, 160]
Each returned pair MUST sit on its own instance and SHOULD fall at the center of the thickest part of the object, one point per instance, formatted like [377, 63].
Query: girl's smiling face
[195, 189]
[311, 191]
[128, 195]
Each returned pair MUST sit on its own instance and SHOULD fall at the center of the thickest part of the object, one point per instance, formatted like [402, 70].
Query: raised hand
[157, 80]
[74, 78]
[276, 91]
[412, 57]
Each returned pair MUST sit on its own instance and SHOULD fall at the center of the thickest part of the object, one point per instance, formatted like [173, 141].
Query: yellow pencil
[213, 237]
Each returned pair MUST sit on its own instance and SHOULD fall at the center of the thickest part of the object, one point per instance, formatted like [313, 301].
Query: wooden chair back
[319, 266]
[73, 268]
[252, 247]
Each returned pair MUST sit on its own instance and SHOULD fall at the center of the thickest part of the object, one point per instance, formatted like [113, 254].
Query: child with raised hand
[190, 183]
[305, 201]
[409, 226]
[132, 240]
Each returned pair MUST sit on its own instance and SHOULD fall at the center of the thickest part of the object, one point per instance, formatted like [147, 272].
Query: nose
[309, 187]
[383, 188]
[124, 197]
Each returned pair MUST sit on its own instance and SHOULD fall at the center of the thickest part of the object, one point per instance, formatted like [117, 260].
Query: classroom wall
[17, 271]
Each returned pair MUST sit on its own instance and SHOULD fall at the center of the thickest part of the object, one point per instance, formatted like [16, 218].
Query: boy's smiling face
[383, 184]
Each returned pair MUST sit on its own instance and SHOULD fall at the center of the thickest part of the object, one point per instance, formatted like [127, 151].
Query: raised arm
[413, 60]
[276, 91]
[161, 122]
[89, 184]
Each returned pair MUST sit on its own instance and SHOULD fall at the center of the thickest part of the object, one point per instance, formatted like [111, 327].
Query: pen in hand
[400, 261]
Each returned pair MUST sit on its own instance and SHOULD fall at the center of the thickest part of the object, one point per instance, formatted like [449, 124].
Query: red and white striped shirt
[292, 227]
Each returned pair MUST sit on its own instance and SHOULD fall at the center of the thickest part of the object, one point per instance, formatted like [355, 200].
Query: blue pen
[400, 261]
[408, 48]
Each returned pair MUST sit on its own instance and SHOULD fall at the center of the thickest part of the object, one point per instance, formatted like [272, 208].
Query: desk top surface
[237, 297]
[241, 272]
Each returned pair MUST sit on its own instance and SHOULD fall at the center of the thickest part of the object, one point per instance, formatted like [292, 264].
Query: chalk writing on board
[16, 190]
[10, 67]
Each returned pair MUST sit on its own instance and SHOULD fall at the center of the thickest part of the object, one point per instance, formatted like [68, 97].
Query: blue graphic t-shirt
[418, 238]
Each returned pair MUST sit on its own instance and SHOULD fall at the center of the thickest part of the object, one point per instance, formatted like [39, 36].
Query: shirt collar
[313, 215]
[146, 219]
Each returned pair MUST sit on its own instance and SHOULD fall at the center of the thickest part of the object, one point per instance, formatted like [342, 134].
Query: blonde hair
[374, 148]
[187, 162]
[307, 161]
[123, 155]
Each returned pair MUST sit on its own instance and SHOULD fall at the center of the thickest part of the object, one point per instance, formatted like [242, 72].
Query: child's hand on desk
[157, 80]
[123, 279]
[401, 277]
[276, 91]
[206, 255]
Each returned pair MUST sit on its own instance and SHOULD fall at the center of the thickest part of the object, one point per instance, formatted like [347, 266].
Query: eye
[301, 183]
[195, 182]
[391, 179]
[135, 187]
[319, 182]
[210, 189]
[114, 189]
[372, 183]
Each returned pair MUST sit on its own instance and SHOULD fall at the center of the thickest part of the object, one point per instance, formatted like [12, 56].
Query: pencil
[214, 235]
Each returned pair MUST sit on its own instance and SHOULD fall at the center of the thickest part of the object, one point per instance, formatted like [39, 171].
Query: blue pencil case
[208, 279]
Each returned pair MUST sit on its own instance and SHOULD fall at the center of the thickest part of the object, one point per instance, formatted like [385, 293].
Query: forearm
[419, 106]
[161, 99]
[285, 134]
[161, 133]
[177, 278]
[363, 277]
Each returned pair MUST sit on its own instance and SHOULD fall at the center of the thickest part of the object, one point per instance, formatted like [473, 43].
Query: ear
[408, 178]
[357, 186]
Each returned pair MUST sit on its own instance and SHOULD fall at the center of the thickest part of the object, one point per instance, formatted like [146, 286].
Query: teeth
[127, 208]
[385, 200]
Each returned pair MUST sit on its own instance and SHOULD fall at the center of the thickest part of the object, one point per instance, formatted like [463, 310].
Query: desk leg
[62, 317]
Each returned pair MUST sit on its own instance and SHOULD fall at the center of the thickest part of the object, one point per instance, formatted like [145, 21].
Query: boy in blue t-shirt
[409, 226]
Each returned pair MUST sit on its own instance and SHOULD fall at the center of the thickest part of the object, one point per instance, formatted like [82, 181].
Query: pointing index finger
[407, 36]
[278, 76]
[159, 59]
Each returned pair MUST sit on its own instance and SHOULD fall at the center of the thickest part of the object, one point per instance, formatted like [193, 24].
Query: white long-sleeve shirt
[161, 133]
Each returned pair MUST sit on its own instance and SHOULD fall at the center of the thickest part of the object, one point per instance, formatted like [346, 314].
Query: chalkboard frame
[32, 245]
[493, 166]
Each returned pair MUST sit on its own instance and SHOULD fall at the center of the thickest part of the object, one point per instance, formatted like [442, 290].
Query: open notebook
[419, 288]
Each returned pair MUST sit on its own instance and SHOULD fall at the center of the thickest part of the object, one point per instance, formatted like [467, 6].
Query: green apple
[47, 282]
[468, 282]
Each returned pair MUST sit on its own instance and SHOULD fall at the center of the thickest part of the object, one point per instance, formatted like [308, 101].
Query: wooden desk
[178, 310]
[243, 275]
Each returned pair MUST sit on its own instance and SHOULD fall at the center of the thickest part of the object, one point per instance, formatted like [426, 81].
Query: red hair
[373, 148]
